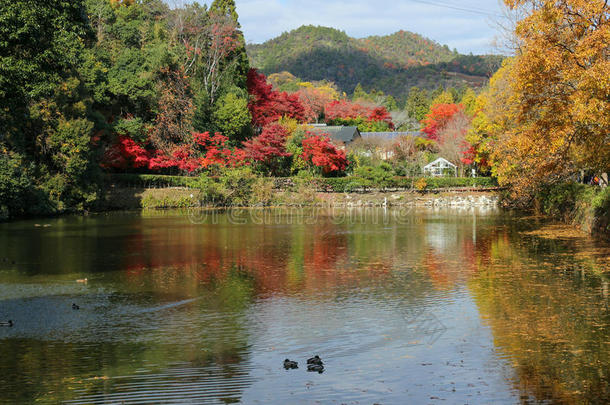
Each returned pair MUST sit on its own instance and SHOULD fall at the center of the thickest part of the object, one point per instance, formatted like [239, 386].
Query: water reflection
[455, 305]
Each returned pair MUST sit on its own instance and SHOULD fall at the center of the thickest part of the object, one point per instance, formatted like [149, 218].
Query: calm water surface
[431, 306]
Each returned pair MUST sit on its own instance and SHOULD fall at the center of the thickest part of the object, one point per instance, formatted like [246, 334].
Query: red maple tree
[268, 147]
[204, 151]
[382, 115]
[319, 151]
[344, 109]
[267, 106]
[313, 101]
[438, 117]
[125, 153]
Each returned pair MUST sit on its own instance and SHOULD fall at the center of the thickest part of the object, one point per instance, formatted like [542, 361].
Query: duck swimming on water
[8, 323]
[289, 364]
[315, 367]
[315, 360]
[75, 307]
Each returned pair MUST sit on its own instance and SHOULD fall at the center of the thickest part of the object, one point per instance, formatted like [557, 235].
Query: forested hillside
[392, 64]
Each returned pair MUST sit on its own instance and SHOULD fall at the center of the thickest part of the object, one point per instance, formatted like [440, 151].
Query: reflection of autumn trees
[551, 321]
[275, 256]
[455, 249]
[297, 257]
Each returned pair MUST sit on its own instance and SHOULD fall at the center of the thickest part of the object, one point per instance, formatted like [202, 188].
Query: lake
[403, 306]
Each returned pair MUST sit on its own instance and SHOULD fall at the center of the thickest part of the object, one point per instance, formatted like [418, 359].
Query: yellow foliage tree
[560, 91]
[469, 101]
[444, 98]
[494, 116]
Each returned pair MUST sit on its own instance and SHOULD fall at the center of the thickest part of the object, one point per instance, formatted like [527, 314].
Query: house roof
[439, 162]
[339, 134]
[390, 135]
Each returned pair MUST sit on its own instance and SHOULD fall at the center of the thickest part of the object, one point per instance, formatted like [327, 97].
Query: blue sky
[470, 30]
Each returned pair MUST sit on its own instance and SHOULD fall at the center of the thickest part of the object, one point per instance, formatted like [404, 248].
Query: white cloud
[467, 31]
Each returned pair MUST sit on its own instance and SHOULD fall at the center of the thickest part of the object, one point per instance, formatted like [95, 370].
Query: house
[439, 168]
[341, 136]
[390, 135]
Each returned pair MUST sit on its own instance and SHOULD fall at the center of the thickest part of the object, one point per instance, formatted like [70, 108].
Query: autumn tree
[267, 106]
[241, 64]
[561, 86]
[494, 115]
[210, 41]
[452, 144]
[446, 97]
[438, 117]
[269, 148]
[173, 123]
[344, 109]
[315, 98]
[319, 151]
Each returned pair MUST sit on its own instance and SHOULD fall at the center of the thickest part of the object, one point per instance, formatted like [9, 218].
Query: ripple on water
[180, 383]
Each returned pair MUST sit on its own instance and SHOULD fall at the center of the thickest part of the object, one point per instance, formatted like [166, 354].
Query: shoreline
[580, 216]
[182, 197]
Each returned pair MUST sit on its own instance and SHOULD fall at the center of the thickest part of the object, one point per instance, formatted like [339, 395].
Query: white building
[439, 168]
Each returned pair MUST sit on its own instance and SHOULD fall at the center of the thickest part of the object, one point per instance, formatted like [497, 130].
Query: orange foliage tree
[560, 85]
[438, 117]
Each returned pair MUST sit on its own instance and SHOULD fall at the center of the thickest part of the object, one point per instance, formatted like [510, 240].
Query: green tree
[41, 43]
[446, 97]
[418, 104]
[360, 93]
[225, 7]
[390, 104]
[233, 118]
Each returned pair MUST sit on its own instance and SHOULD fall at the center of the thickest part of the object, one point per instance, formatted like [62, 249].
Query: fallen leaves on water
[557, 232]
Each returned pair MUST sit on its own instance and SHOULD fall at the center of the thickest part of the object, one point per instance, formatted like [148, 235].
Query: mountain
[392, 63]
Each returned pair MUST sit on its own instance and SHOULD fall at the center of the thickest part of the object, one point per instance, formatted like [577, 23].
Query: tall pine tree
[225, 7]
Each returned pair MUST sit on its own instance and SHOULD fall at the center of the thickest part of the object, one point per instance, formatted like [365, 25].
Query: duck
[315, 360]
[315, 368]
[9, 323]
[82, 280]
[289, 364]
[75, 307]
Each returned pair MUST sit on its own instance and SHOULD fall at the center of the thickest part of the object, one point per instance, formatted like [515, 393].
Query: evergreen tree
[390, 104]
[418, 104]
[359, 93]
[225, 7]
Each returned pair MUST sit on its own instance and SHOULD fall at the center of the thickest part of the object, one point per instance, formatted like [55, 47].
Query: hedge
[347, 184]
[337, 185]
[151, 180]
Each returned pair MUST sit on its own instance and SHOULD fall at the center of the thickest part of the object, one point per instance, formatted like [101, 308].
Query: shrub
[377, 176]
[586, 205]
[421, 184]
[235, 187]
